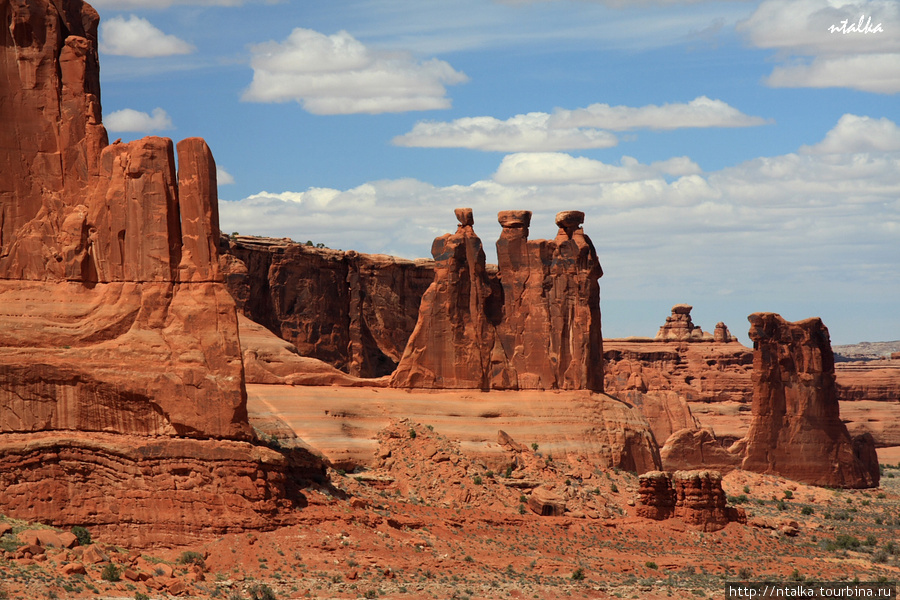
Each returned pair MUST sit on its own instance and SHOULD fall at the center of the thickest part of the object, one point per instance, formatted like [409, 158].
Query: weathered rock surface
[665, 411]
[537, 326]
[697, 449]
[695, 497]
[696, 371]
[353, 311]
[796, 431]
[114, 322]
[343, 423]
[150, 490]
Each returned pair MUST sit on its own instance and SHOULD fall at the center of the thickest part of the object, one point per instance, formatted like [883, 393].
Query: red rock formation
[796, 431]
[665, 411]
[150, 490]
[113, 317]
[680, 327]
[697, 449]
[696, 371]
[353, 311]
[721, 335]
[538, 329]
[453, 342]
[695, 497]
[551, 336]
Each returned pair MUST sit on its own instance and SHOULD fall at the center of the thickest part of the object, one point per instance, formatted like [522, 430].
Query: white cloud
[819, 223]
[879, 73]
[541, 168]
[223, 177]
[855, 134]
[699, 112]
[522, 133]
[129, 119]
[830, 43]
[337, 74]
[137, 37]
[576, 129]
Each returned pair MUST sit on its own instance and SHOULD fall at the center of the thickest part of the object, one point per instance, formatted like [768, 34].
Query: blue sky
[737, 156]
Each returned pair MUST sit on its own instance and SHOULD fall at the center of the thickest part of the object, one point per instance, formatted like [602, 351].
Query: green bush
[261, 591]
[111, 572]
[807, 510]
[83, 535]
[190, 557]
[578, 574]
[651, 565]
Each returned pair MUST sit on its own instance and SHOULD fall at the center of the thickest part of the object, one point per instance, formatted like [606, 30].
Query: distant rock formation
[113, 317]
[695, 497]
[680, 327]
[796, 431]
[537, 326]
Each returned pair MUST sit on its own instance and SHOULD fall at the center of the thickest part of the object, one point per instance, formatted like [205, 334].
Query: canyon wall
[353, 311]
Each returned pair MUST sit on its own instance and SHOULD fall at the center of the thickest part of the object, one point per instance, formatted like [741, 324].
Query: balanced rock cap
[465, 216]
[514, 218]
[569, 218]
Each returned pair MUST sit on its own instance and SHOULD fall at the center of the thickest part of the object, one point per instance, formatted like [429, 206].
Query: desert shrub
[651, 565]
[788, 494]
[871, 540]
[534, 446]
[614, 489]
[746, 489]
[737, 499]
[807, 510]
[796, 576]
[261, 591]
[190, 557]
[83, 535]
[111, 572]
[477, 480]
[141, 596]
[843, 542]
[412, 434]
[578, 574]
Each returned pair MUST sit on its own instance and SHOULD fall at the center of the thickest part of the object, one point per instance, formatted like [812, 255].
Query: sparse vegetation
[111, 572]
[82, 535]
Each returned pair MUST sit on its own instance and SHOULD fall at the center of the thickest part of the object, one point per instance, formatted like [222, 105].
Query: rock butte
[119, 348]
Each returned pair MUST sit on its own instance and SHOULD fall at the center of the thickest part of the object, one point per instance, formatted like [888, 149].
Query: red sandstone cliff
[354, 311]
[113, 317]
[796, 430]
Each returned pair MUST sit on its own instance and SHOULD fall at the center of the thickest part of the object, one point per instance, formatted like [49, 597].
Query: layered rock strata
[680, 327]
[536, 326]
[796, 430]
[113, 316]
[353, 311]
[695, 497]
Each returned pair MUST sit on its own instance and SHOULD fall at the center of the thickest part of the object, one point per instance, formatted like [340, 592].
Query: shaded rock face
[353, 311]
[796, 431]
[695, 497]
[535, 326]
[113, 316]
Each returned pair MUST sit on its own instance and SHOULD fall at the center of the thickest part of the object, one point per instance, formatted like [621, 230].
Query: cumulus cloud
[576, 129]
[337, 74]
[223, 177]
[129, 119]
[855, 134]
[827, 43]
[136, 36]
